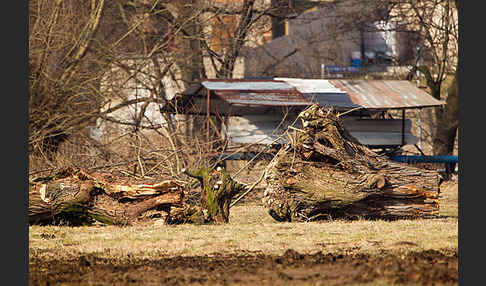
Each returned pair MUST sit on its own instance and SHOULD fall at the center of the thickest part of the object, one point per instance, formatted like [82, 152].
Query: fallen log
[325, 173]
[80, 197]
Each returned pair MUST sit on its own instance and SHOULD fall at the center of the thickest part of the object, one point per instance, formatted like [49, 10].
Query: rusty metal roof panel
[346, 94]
[321, 91]
[307, 86]
[262, 98]
[256, 92]
[386, 94]
[245, 84]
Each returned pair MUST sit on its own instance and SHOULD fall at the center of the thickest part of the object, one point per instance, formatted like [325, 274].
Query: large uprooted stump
[325, 173]
[80, 197]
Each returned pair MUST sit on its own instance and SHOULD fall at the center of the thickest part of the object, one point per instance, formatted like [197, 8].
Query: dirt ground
[324, 265]
[414, 268]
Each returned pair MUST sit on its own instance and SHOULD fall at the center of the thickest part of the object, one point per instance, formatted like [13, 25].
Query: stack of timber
[325, 173]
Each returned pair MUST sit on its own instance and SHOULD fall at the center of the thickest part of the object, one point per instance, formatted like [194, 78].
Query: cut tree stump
[217, 192]
[325, 173]
[80, 197]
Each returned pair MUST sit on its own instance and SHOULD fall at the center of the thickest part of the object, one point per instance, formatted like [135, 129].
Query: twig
[295, 128]
[129, 174]
[268, 146]
[351, 110]
[249, 190]
[138, 155]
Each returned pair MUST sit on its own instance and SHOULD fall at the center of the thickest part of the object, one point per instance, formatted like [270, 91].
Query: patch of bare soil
[292, 268]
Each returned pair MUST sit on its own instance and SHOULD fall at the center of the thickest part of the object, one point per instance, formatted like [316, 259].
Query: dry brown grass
[251, 229]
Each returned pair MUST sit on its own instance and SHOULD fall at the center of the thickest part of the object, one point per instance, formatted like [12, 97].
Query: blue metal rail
[398, 158]
[236, 156]
[426, 159]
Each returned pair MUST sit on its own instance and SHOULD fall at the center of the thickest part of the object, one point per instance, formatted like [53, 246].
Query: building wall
[328, 36]
[134, 79]
[431, 29]
[222, 28]
[313, 39]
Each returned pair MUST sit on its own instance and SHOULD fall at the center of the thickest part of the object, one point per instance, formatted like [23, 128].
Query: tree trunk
[447, 122]
[447, 117]
[325, 173]
[79, 197]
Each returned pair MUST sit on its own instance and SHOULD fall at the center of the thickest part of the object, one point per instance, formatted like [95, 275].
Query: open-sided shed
[371, 96]
[259, 110]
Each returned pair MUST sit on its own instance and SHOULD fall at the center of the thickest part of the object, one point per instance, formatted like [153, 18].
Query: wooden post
[419, 121]
[220, 123]
[207, 115]
[403, 126]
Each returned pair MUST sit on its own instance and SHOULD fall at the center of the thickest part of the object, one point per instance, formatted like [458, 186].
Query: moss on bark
[218, 190]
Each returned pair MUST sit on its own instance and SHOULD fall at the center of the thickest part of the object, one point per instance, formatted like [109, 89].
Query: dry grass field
[252, 249]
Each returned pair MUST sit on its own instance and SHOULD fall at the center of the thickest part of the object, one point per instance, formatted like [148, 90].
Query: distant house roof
[256, 92]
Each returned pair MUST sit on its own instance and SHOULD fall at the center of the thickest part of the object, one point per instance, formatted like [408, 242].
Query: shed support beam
[207, 115]
[403, 127]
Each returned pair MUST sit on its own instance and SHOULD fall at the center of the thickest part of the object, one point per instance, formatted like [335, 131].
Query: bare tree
[436, 21]
[90, 60]
[58, 83]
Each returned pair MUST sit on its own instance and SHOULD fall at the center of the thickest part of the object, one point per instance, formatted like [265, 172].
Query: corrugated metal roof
[246, 84]
[344, 94]
[311, 85]
[321, 91]
[256, 92]
[385, 94]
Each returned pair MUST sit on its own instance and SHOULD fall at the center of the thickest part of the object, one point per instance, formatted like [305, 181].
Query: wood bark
[325, 173]
[217, 192]
[80, 197]
[447, 121]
